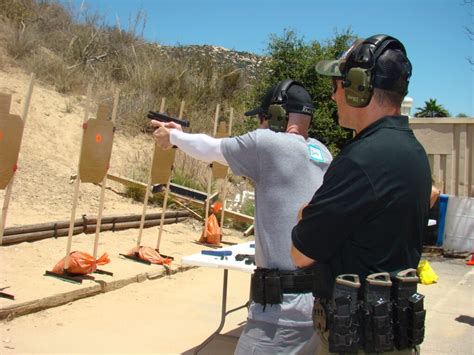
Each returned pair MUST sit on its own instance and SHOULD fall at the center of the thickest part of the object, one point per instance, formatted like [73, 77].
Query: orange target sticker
[1, 135]
[98, 138]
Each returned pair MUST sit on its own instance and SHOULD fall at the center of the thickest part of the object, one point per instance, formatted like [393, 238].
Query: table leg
[224, 313]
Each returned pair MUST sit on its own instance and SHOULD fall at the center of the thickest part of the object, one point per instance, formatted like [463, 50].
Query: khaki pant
[323, 348]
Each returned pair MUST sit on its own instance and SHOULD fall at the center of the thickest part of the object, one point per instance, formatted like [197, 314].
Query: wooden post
[148, 186]
[165, 199]
[103, 184]
[224, 187]
[77, 183]
[8, 191]
[209, 177]
[6, 202]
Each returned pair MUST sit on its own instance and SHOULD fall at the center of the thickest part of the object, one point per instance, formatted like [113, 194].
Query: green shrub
[292, 57]
[183, 179]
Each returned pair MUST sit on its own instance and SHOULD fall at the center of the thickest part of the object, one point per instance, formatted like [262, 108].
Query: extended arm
[198, 146]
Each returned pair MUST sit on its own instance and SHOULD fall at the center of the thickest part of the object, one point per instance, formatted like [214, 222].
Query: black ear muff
[279, 95]
[278, 117]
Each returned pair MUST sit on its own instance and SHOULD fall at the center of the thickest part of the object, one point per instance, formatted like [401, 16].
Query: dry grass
[68, 49]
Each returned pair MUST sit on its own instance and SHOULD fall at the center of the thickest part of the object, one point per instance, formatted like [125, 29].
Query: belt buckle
[319, 316]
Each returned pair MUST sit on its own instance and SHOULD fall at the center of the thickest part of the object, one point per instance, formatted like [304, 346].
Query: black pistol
[165, 118]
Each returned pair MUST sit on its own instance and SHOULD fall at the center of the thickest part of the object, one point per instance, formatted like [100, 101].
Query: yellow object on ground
[426, 273]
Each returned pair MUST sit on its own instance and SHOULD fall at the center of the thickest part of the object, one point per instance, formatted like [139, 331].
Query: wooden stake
[224, 188]
[165, 202]
[209, 177]
[148, 186]
[8, 191]
[77, 183]
[104, 182]
[248, 231]
[6, 202]
[165, 199]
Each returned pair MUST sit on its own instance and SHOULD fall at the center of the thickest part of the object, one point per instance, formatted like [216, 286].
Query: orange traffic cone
[470, 259]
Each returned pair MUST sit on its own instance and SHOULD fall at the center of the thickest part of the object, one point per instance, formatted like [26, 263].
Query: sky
[433, 32]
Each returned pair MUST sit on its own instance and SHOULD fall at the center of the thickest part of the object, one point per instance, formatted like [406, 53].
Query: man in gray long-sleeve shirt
[285, 166]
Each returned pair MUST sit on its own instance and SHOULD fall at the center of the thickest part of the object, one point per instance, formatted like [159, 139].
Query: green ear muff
[278, 120]
[359, 70]
[358, 87]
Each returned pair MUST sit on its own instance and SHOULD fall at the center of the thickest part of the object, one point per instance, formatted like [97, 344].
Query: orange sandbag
[216, 207]
[81, 263]
[149, 254]
[213, 232]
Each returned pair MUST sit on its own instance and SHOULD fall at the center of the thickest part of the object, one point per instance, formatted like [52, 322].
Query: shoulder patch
[315, 153]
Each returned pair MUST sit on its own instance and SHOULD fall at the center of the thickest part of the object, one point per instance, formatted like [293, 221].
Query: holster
[323, 281]
[266, 287]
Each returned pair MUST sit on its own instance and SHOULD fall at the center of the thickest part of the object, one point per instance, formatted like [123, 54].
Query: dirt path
[170, 315]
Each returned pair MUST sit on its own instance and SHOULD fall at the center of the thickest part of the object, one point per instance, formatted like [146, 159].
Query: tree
[290, 57]
[432, 109]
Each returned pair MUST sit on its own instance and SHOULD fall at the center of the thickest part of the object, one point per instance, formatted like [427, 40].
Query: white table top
[228, 262]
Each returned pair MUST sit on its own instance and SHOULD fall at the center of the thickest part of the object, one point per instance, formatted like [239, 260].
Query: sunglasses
[264, 116]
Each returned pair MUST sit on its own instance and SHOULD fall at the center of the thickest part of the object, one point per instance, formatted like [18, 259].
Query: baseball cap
[333, 67]
[296, 99]
[391, 71]
[264, 103]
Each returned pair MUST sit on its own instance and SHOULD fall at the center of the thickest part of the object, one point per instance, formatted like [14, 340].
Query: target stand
[217, 171]
[69, 276]
[96, 150]
[11, 135]
[160, 175]
[6, 295]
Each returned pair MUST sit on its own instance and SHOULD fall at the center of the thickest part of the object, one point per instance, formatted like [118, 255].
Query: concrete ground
[450, 308]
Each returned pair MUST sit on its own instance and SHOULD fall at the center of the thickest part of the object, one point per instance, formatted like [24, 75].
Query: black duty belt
[269, 285]
[296, 281]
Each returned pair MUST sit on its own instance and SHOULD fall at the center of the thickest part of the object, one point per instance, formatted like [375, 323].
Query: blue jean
[265, 338]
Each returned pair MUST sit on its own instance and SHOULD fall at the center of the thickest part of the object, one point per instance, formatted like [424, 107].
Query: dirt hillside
[42, 193]
[42, 190]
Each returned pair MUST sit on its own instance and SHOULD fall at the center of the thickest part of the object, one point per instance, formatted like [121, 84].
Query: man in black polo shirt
[370, 213]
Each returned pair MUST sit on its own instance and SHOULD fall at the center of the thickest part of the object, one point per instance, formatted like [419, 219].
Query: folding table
[227, 263]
